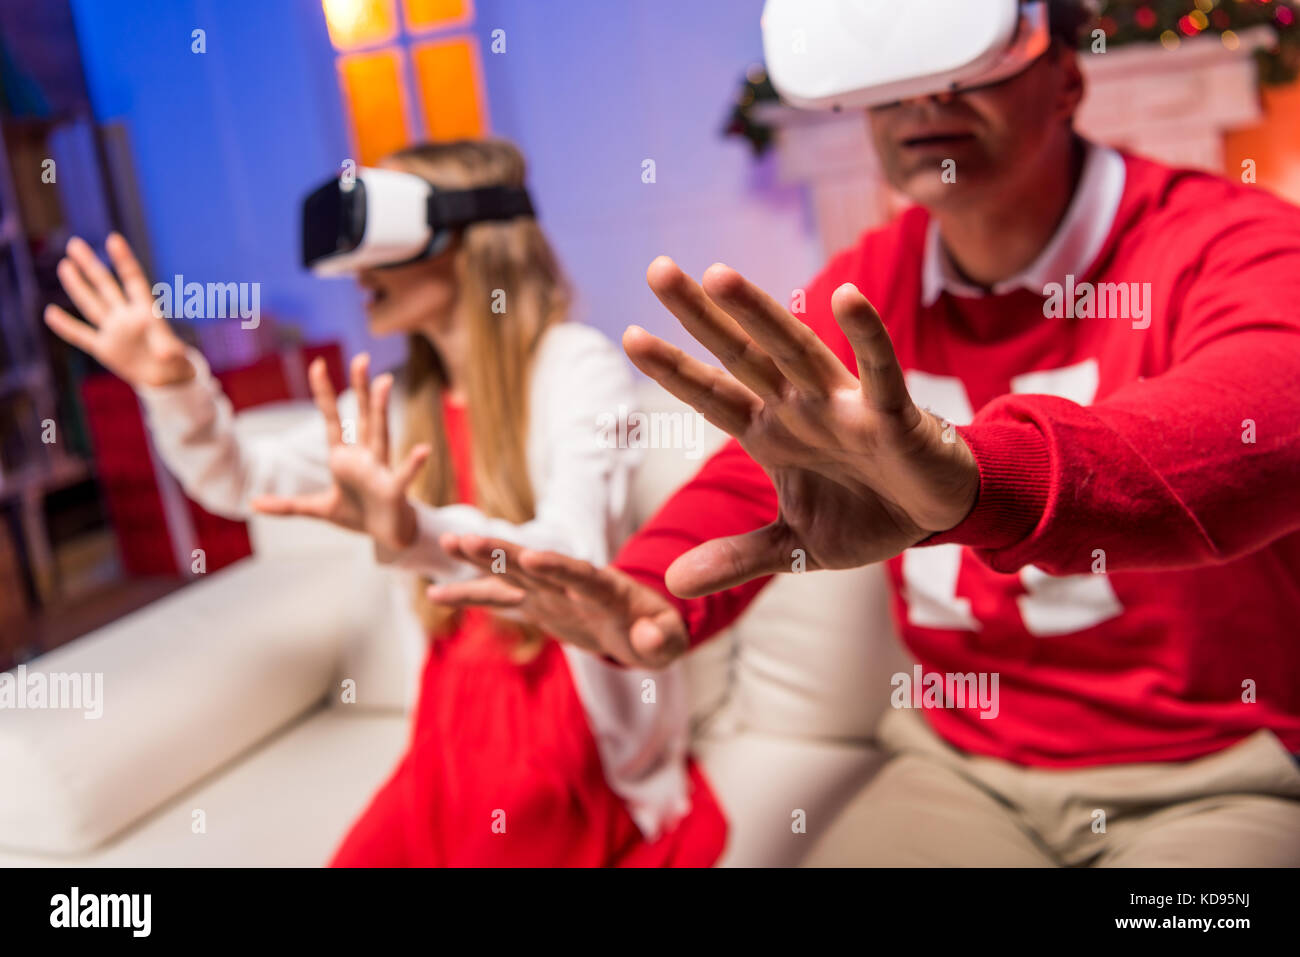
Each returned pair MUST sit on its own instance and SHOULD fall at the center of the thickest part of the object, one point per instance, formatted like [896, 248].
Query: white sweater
[581, 490]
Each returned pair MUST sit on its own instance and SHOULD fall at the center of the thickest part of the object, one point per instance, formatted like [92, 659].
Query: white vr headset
[383, 217]
[853, 54]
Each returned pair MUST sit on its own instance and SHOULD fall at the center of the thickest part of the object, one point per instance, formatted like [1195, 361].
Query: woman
[522, 751]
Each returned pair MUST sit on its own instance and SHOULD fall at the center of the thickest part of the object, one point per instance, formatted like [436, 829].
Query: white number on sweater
[1053, 605]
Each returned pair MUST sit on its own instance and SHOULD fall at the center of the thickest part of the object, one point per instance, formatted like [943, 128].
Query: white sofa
[225, 739]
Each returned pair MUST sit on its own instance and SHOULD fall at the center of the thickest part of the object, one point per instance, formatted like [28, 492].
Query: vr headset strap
[461, 207]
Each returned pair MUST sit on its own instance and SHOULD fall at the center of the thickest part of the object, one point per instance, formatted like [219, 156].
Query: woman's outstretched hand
[121, 330]
[367, 494]
[599, 609]
[860, 472]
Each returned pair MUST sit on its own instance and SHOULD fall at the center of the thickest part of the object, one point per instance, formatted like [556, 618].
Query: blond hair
[507, 262]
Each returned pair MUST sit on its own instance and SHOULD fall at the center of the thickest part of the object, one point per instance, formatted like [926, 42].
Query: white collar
[1071, 250]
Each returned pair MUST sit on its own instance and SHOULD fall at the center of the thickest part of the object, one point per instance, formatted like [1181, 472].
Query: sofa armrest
[181, 687]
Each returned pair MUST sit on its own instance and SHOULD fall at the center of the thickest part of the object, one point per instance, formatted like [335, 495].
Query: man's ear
[1073, 85]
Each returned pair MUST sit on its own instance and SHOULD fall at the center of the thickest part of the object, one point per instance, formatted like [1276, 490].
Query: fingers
[879, 375]
[95, 273]
[712, 327]
[134, 281]
[713, 393]
[487, 592]
[380, 391]
[599, 585]
[319, 505]
[726, 562]
[408, 469]
[495, 556]
[323, 393]
[583, 584]
[653, 641]
[658, 641]
[360, 374]
[80, 292]
[794, 348]
[70, 330]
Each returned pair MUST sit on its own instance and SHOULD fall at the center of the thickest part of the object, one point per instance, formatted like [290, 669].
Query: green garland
[1124, 21]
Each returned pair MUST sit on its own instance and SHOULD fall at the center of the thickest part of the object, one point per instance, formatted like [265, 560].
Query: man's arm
[730, 495]
[1195, 466]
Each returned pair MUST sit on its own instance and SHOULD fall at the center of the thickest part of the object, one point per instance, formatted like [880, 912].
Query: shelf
[60, 472]
[31, 376]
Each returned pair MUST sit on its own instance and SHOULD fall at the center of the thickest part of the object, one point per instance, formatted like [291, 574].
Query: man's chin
[935, 188]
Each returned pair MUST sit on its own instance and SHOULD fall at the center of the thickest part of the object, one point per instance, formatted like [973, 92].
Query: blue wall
[227, 142]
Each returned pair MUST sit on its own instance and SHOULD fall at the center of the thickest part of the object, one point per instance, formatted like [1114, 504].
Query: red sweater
[1172, 464]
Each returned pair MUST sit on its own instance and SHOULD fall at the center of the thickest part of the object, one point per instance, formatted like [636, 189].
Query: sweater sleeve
[193, 428]
[581, 489]
[729, 495]
[1191, 467]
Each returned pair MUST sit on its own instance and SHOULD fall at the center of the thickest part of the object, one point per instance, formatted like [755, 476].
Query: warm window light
[447, 98]
[424, 15]
[447, 74]
[374, 94]
[355, 23]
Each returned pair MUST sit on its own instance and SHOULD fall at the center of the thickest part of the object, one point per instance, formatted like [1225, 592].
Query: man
[1099, 510]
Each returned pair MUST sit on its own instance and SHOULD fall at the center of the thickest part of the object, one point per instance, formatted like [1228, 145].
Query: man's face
[992, 135]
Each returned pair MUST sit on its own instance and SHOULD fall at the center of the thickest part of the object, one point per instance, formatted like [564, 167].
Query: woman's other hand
[367, 494]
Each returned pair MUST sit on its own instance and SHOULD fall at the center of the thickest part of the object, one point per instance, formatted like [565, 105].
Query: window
[408, 70]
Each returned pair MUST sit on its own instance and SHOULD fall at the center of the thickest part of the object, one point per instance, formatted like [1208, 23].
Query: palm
[859, 471]
[366, 493]
[340, 507]
[838, 468]
[121, 330]
[132, 338]
[825, 519]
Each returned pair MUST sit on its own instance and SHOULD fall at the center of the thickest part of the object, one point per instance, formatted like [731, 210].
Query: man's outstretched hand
[860, 472]
[599, 609]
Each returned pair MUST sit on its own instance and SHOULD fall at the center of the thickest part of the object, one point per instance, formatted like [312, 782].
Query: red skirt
[503, 771]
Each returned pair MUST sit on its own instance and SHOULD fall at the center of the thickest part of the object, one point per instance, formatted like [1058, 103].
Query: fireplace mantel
[1172, 105]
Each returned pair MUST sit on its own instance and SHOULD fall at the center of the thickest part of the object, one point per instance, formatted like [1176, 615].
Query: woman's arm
[190, 419]
[580, 478]
[193, 429]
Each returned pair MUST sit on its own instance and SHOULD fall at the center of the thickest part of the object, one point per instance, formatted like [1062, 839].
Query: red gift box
[157, 525]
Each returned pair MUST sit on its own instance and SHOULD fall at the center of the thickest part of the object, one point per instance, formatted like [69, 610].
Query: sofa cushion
[288, 803]
[384, 659]
[780, 793]
[188, 683]
[662, 471]
[815, 655]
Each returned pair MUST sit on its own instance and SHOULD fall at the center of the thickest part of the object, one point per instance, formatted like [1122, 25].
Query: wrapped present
[157, 525]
